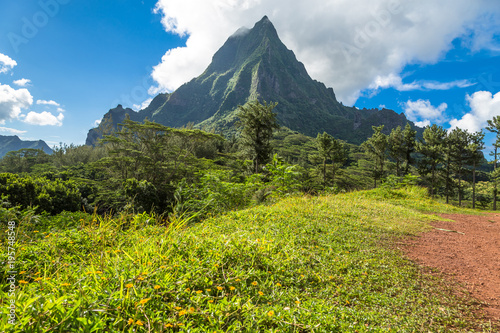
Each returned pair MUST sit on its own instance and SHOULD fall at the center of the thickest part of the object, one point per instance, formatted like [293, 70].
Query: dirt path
[467, 250]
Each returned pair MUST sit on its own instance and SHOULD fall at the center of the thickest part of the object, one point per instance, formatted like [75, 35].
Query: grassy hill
[302, 264]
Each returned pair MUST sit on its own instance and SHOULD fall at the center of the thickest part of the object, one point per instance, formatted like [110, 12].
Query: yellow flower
[208, 290]
[130, 321]
[37, 273]
[270, 313]
[158, 287]
[168, 325]
[98, 272]
[254, 283]
[219, 288]
[211, 301]
[278, 284]
[191, 309]
[182, 312]
[140, 323]
[36, 231]
[65, 284]
[22, 272]
[261, 293]
[178, 308]
[237, 280]
[232, 288]
[23, 282]
[140, 278]
[199, 291]
[129, 285]
[144, 301]
[38, 279]
[297, 302]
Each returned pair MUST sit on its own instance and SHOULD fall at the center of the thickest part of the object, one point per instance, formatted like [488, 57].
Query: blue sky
[64, 63]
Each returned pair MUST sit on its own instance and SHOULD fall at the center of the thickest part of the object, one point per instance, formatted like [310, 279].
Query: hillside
[13, 143]
[254, 63]
[305, 263]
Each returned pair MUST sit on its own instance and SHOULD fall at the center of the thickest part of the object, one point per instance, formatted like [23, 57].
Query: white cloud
[22, 82]
[42, 102]
[423, 113]
[484, 106]
[144, 105]
[393, 81]
[345, 44]
[6, 63]
[44, 119]
[97, 122]
[12, 102]
[11, 130]
[396, 82]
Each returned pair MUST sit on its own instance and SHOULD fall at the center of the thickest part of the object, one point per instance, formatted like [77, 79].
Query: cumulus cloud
[484, 105]
[22, 82]
[344, 44]
[51, 102]
[44, 119]
[423, 113]
[11, 130]
[6, 63]
[12, 102]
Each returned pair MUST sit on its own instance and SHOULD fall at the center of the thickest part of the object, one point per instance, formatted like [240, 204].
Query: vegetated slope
[320, 264]
[254, 63]
[13, 143]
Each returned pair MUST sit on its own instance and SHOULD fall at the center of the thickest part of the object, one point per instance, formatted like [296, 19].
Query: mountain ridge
[13, 142]
[255, 64]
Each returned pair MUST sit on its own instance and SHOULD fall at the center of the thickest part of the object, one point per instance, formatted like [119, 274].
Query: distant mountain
[254, 63]
[12, 143]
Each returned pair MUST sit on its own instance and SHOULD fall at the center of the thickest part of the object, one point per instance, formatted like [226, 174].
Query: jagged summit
[254, 63]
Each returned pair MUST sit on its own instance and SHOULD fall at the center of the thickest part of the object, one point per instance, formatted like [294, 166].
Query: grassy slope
[321, 264]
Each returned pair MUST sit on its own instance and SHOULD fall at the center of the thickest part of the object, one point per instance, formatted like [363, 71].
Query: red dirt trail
[467, 251]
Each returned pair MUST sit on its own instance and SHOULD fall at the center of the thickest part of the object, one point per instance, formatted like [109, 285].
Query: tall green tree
[494, 127]
[476, 145]
[396, 148]
[257, 122]
[409, 146]
[459, 140]
[376, 147]
[431, 148]
[331, 149]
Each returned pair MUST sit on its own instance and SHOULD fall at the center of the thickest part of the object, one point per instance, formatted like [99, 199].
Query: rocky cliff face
[254, 63]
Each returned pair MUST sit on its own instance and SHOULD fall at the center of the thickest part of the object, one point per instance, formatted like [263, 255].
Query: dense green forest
[158, 229]
[147, 167]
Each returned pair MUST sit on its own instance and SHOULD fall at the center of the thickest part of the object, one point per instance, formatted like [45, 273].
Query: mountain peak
[265, 25]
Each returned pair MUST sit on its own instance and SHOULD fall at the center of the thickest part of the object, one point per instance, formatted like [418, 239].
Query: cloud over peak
[346, 45]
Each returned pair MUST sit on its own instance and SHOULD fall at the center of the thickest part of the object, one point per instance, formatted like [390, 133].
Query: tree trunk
[474, 186]
[495, 182]
[324, 174]
[333, 173]
[433, 175]
[448, 180]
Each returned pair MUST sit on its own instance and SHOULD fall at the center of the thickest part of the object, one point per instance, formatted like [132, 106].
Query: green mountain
[254, 63]
[13, 143]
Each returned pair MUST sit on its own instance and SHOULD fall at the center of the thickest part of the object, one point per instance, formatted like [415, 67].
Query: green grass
[303, 264]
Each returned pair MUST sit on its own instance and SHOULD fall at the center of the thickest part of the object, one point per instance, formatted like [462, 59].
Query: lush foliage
[52, 196]
[320, 264]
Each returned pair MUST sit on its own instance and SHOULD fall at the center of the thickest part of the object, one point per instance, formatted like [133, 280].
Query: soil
[466, 251]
